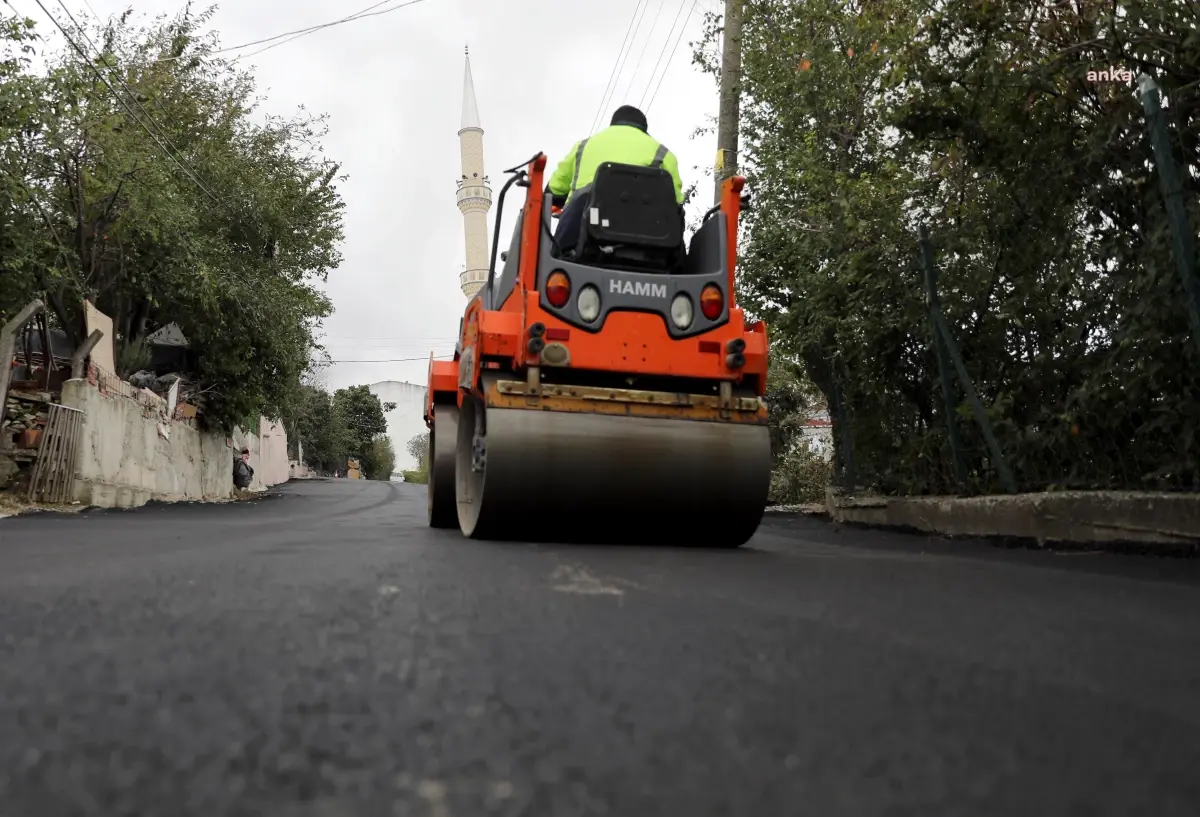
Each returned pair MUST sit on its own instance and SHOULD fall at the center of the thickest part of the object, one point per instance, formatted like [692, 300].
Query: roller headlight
[681, 311]
[588, 303]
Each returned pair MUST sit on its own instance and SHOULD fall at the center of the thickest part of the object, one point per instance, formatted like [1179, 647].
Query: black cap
[629, 115]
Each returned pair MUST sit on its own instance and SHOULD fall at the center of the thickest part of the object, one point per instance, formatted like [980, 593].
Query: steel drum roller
[444, 434]
[570, 476]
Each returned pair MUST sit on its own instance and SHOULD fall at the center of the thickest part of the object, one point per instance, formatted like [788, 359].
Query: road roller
[609, 392]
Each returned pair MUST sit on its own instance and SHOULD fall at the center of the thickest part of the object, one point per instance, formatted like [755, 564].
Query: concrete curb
[1165, 520]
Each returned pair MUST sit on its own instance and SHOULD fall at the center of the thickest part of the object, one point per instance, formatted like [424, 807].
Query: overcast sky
[392, 86]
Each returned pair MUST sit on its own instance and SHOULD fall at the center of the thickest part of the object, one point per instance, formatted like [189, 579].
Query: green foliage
[348, 424]
[133, 357]
[863, 120]
[800, 477]
[232, 245]
[380, 459]
[790, 401]
[363, 416]
[418, 447]
[321, 429]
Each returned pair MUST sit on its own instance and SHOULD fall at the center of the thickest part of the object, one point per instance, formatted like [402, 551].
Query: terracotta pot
[29, 438]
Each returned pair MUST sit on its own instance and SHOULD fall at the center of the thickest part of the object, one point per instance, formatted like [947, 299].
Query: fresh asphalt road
[322, 652]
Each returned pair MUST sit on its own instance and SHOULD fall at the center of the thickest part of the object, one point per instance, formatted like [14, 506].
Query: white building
[818, 433]
[406, 420]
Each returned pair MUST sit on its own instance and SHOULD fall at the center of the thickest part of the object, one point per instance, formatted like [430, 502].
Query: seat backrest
[633, 206]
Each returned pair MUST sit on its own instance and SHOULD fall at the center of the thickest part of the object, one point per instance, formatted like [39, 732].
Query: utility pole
[731, 96]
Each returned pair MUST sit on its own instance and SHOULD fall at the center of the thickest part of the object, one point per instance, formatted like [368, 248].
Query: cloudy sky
[392, 86]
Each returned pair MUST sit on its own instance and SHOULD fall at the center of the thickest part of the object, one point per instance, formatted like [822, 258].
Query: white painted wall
[268, 453]
[406, 421]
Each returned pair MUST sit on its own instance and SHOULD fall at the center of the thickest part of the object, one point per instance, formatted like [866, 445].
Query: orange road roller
[611, 392]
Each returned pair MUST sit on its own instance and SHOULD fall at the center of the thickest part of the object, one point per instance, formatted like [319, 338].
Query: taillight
[712, 302]
[558, 288]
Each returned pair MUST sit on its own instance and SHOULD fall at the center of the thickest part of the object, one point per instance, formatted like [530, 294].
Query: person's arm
[671, 165]
[560, 179]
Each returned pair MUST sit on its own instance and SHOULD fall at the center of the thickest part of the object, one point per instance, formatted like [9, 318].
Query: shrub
[800, 477]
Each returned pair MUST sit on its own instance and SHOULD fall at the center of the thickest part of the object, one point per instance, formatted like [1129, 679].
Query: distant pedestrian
[243, 474]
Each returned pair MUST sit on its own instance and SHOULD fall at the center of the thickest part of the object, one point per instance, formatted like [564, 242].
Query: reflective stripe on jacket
[623, 144]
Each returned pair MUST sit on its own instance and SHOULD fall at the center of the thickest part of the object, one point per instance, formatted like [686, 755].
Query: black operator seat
[633, 221]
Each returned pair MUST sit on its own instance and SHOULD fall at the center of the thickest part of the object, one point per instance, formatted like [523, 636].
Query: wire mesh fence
[109, 383]
[1081, 372]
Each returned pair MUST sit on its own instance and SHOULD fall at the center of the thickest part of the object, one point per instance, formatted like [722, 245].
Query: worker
[243, 474]
[625, 141]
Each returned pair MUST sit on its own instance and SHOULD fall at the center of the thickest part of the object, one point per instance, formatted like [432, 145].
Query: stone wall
[1165, 520]
[128, 456]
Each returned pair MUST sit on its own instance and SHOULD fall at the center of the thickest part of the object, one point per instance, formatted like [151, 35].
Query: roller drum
[442, 438]
[566, 476]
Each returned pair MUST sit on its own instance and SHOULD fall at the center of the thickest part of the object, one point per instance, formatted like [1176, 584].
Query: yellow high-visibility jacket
[624, 144]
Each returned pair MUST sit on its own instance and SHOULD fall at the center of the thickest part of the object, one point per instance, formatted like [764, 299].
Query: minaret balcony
[479, 195]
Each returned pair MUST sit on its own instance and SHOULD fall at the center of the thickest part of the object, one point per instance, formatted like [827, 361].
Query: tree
[380, 460]
[790, 402]
[23, 244]
[144, 181]
[363, 415]
[418, 448]
[321, 429]
[862, 120]
[350, 423]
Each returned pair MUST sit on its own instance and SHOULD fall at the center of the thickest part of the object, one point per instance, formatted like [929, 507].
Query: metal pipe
[8, 339]
[82, 353]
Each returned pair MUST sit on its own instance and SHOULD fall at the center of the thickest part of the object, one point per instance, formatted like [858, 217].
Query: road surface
[321, 652]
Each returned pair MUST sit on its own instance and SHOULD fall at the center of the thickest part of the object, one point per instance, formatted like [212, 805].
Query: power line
[78, 49]
[662, 53]
[131, 95]
[309, 29]
[164, 143]
[390, 342]
[359, 16]
[661, 5]
[394, 360]
[613, 76]
[678, 38]
[391, 347]
[362, 14]
[451, 338]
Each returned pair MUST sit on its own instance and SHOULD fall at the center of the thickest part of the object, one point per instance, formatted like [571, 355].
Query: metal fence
[959, 422]
[54, 473]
